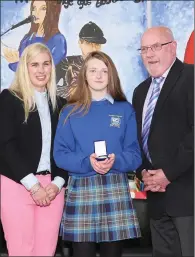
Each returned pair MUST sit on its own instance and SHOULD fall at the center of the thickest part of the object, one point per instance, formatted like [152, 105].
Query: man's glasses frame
[155, 47]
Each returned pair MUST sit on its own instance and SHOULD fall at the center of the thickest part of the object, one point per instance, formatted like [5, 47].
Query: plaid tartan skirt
[99, 208]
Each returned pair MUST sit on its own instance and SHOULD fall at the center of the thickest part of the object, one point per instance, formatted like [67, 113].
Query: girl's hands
[102, 167]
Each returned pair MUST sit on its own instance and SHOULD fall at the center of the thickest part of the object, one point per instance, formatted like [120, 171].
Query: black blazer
[171, 140]
[20, 142]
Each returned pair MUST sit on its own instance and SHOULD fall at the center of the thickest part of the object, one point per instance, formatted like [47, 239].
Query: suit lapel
[169, 84]
[34, 119]
[54, 119]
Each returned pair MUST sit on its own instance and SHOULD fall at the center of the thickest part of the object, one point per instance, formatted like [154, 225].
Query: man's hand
[145, 174]
[156, 188]
[150, 183]
[102, 167]
[155, 180]
[52, 190]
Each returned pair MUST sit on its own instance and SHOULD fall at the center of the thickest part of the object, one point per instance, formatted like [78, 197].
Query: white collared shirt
[165, 74]
[45, 119]
[106, 97]
[30, 180]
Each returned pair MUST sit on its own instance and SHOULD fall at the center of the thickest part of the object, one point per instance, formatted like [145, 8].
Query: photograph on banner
[71, 29]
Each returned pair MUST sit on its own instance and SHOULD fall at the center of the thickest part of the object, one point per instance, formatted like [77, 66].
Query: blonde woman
[32, 193]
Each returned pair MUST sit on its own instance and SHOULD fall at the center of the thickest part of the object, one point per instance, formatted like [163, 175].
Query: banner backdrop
[71, 29]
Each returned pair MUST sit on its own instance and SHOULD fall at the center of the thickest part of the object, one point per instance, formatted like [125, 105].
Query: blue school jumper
[98, 207]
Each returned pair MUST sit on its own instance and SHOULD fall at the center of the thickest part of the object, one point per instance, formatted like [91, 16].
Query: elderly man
[165, 113]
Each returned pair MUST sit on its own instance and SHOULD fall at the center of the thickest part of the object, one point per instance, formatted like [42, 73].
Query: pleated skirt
[98, 209]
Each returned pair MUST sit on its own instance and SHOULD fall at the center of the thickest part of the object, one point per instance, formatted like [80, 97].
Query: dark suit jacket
[171, 140]
[20, 142]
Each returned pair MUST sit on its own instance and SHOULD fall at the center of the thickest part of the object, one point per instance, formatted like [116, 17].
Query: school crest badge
[115, 121]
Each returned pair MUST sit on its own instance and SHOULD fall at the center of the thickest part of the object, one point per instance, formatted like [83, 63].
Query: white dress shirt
[150, 92]
[44, 164]
[106, 97]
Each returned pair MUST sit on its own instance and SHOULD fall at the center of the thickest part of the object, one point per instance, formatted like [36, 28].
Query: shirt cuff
[59, 182]
[29, 181]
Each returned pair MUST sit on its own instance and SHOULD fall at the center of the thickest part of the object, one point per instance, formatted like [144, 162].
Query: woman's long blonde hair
[81, 97]
[22, 87]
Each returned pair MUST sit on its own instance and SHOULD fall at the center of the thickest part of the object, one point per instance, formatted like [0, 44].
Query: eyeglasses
[155, 47]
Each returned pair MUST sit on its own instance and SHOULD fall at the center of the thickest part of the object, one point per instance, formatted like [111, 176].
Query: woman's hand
[11, 55]
[102, 167]
[39, 195]
[52, 190]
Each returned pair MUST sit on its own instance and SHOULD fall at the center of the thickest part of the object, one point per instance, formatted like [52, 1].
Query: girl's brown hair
[81, 97]
[50, 23]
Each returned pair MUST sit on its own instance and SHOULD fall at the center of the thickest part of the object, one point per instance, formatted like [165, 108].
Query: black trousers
[173, 236]
[107, 249]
